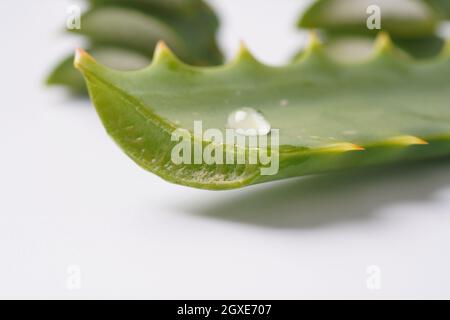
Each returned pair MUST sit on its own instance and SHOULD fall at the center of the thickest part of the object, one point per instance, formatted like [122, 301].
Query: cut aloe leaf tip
[330, 116]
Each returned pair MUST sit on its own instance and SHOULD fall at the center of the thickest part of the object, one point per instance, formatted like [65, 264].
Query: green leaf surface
[191, 33]
[123, 34]
[160, 7]
[400, 18]
[442, 7]
[353, 48]
[121, 59]
[128, 28]
[331, 116]
[421, 48]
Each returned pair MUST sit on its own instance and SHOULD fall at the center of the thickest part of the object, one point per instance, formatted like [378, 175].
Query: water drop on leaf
[248, 121]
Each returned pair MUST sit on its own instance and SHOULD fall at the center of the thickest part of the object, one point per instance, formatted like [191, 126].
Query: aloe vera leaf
[122, 59]
[65, 75]
[347, 39]
[176, 12]
[442, 7]
[348, 49]
[387, 110]
[161, 6]
[132, 37]
[192, 21]
[127, 28]
[400, 18]
[421, 48]
[354, 48]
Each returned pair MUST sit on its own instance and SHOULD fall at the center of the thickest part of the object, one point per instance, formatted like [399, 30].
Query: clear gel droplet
[249, 122]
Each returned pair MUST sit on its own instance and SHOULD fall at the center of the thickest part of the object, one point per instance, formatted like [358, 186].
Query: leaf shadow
[330, 199]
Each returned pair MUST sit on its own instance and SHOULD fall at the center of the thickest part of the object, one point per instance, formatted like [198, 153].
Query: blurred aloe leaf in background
[412, 24]
[122, 34]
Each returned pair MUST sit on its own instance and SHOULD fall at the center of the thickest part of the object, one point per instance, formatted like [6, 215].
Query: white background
[70, 197]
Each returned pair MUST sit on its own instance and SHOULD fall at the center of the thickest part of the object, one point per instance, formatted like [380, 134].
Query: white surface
[69, 197]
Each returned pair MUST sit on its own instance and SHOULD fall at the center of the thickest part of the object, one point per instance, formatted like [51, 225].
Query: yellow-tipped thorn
[406, 141]
[314, 42]
[244, 54]
[344, 147]
[383, 43]
[163, 53]
[314, 47]
[80, 55]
